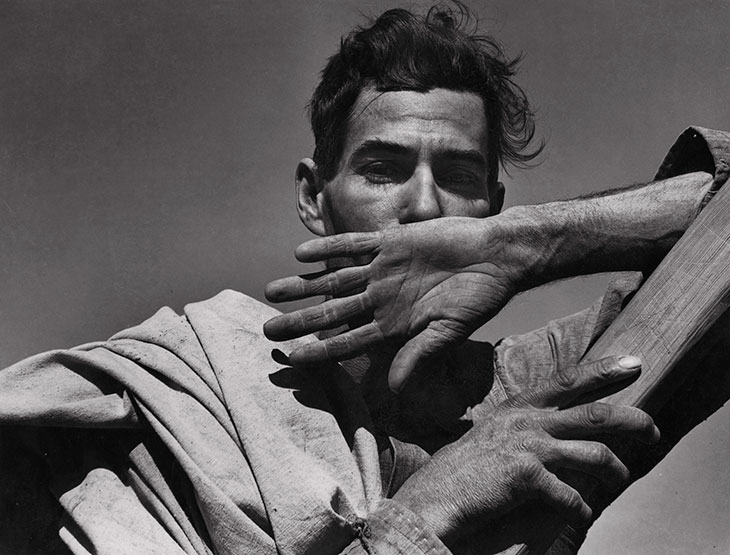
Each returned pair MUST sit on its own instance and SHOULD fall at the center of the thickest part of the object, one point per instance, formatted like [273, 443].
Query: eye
[461, 177]
[382, 172]
[459, 180]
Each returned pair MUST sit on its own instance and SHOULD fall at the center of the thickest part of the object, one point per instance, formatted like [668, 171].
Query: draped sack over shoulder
[267, 451]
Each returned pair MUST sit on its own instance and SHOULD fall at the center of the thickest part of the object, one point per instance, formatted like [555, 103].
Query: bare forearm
[430, 284]
[629, 229]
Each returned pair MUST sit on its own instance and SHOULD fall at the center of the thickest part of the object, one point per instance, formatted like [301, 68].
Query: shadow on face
[408, 156]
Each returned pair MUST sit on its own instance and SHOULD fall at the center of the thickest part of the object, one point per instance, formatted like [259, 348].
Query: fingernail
[396, 385]
[395, 389]
[656, 435]
[629, 362]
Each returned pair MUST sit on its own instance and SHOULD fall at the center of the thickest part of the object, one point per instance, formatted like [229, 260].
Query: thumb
[432, 340]
[584, 383]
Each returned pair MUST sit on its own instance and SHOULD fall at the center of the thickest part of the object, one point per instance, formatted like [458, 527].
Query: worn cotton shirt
[189, 434]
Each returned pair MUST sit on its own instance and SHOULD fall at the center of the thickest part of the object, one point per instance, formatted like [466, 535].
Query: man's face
[410, 156]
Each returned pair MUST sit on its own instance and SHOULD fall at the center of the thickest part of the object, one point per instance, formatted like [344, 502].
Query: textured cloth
[273, 459]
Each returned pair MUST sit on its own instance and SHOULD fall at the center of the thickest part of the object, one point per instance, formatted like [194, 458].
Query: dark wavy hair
[404, 51]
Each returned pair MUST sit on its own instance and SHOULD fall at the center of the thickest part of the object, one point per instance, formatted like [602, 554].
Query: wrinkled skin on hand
[425, 287]
[516, 454]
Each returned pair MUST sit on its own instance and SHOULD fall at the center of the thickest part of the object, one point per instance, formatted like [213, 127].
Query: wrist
[421, 501]
[430, 494]
[529, 243]
[629, 229]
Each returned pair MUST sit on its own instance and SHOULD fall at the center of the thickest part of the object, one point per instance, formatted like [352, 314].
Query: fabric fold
[270, 466]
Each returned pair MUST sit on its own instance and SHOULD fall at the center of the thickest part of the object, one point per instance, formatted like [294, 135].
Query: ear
[496, 198]
[309, 197]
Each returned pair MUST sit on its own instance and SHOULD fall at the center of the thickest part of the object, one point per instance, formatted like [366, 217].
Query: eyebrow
[374, 146]
[377, 146]
[470, 155]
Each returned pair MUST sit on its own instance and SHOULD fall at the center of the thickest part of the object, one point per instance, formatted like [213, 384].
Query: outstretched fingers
[338, 347]
[327, 315]
[329, 282]
[333, 246]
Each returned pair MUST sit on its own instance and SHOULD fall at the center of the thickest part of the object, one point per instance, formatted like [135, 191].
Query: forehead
[438, 118]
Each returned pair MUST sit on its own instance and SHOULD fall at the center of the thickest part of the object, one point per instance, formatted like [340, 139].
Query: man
[232, 451]
[433, 285]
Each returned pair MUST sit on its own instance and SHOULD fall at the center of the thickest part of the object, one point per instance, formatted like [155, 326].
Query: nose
[420, 198]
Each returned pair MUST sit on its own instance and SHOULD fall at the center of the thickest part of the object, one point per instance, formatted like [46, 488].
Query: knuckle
[348, 242]
[574, 504]
[522, 444]
[312, 318]
[330, 283]
[566, 379]
[338, 345]
[340, 244]
[352, 305]
[310, 352]
[527, 471]
[535, 445]
[644, 421]
[334, 243]
[603, 455]
[519, 421]
[347, 280]
[320, 286]
[365, 241]
[598, 414]
[571, 500]
[509, 404]
[606, 368]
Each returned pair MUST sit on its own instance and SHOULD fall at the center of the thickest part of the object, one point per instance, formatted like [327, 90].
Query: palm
[425, 284]
[426, 287]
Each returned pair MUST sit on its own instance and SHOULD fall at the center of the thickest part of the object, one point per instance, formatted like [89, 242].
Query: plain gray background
[147, 153]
